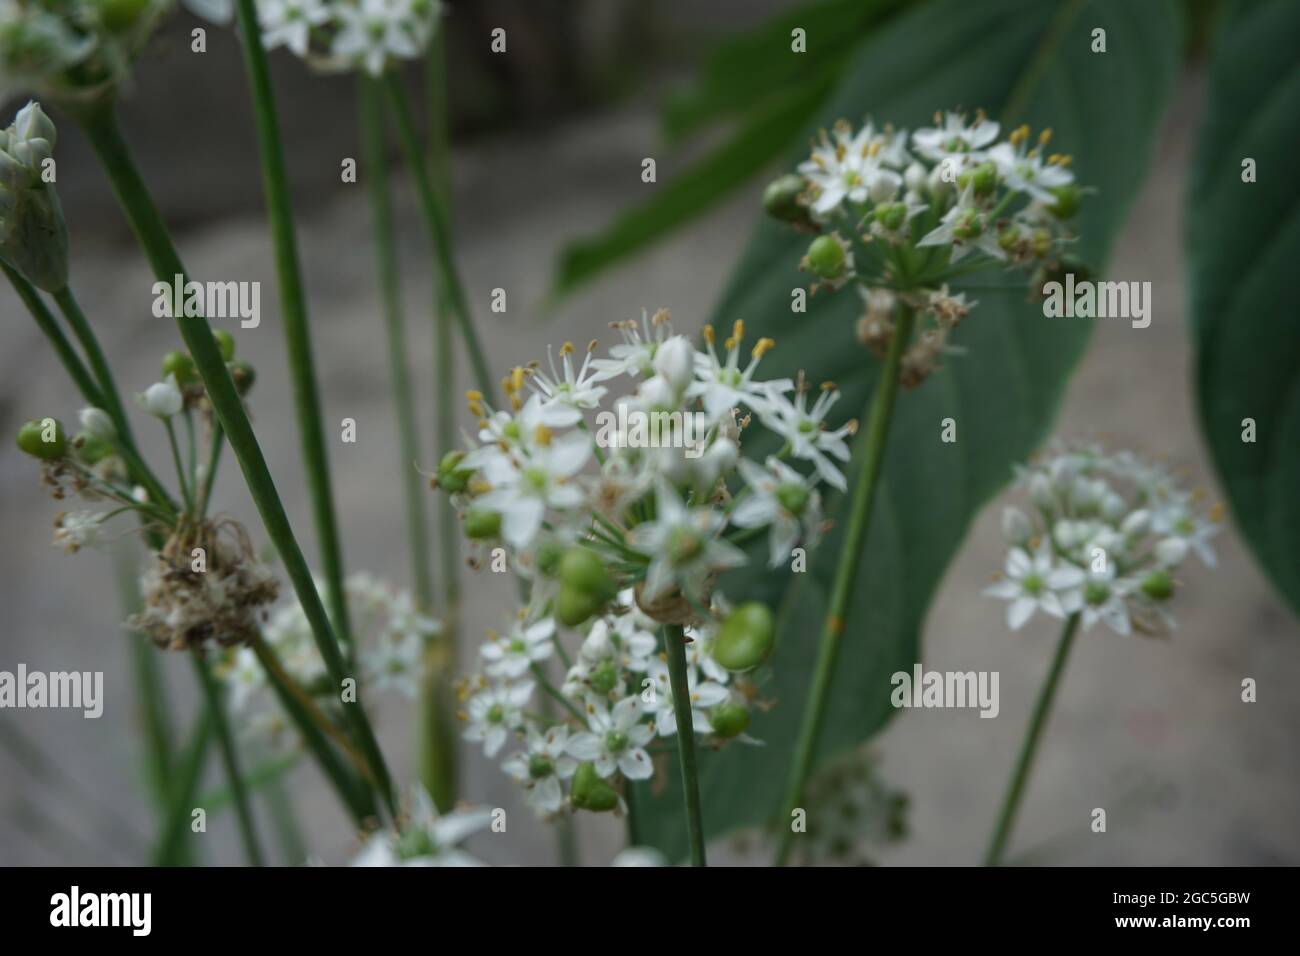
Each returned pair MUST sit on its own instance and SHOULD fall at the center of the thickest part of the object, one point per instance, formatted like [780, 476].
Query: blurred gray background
[548, 146]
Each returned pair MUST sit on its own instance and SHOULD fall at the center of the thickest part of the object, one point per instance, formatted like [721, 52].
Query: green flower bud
[729, 719]
[539, 767]
[91, 449]
[984, 178]
[242, 374]
[1009, 238]
[452, 478]
[1158, 585]
[582, 570]
[826, 257]
[891, 215]
[1040, 242]
[43, 438]
[182, 366]
[225, 343]
[1068, 200]
[746, 638]
[968, 225]
[781, 199]
[481, 523]
[573, 607]
[590, 792]
[549, 554]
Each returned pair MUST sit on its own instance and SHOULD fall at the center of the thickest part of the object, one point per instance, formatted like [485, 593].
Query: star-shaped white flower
[805, 431]
[616, 740]
[541, 767]
[512, 655]
[783, 499]
[1035, 582]
[494, 711]
[683, 546]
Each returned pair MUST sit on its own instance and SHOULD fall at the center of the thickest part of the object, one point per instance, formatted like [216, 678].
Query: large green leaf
[1023, 61]
[1244, 240]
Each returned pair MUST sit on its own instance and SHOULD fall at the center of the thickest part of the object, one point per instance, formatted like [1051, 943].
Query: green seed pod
[984, 178]
[1009, 238]
[589, 792]
[826, 258]
[582, 570]
[43, 438]
[243, 375]
[549, 555]
[481, 523]
[573, 607]
[604, 677]
[1158, 585]
[1068, 200]
[90, 449]
[968, 225]
[729, 719]
[793, 498]
[781, 199]
[182, 366]
[746, 638]
[225, 343]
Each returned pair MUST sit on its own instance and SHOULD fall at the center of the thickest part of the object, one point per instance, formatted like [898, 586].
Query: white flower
[79, 529]
[522, 489]
[574, 388]
[616, 740]
[954, 139]
[782, 498]
[370, 33]
[635, 356]
[494, 711]
[541, 768]
[513, 655]
[683, 546]
[1016, 528]
[1179, 521]
[852, 166]
[1103, 597]
[1025, 171]
[639, 856]
[964, 227]
[723, 385]
[289, 22]
[805, 431]
[1034, 582]
[162, 399]
[704, 695]
[426, 839]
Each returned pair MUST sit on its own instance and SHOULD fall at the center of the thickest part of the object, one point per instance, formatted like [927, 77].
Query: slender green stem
[302, 372]
[230, 757]
[292, 843]
[675, 645]
[46, 322]
[183, 788]
[187, 494]
[879, 415]
[1020, 776]
[101, 128]
[435, 219]
[210, 476]
[633, 813]
[81, 328]
[375, 171]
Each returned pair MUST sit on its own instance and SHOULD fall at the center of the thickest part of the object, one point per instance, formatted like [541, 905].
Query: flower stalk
[675, 646]
[230, 757]
[879, 415]
[293, 300]
[1028, 749]
[100, 126]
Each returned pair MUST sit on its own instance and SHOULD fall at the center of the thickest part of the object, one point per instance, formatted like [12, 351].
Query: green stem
[100, 126]
[435, 219]
[151, 697]
[46, 322]
[184, 786]
[98, 363]
[1020, 776]
[376, 175]
[230, 757]
[210, 477]
[675, 645]
[302, 372]
[187, 495]
[879, 416]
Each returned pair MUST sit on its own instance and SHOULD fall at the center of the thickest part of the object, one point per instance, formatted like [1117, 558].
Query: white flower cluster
[1107, 534]
[425, 838]
[392, 638]
[898, 213]
[852, 812]
[622, 525]
[350, 34]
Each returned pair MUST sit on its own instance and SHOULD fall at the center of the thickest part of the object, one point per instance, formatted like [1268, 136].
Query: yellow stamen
[591, 346]
[477, 486]
[474, 396]
[1045, 137]
[738, 330]
[516, 379]
[542, 436]
[567, 348]
[476, 410]
[1018, 135]
[763, 346]
[707, 333]
[1217, 512]
[661, 317]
